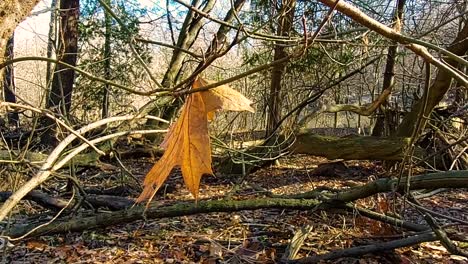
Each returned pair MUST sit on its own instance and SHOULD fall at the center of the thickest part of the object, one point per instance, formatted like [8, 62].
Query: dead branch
[456, 179]
[154, 211]
[362, 250]
[40, 198]
[56, 203]
[449, 179]
[51, 164]
[296, 243]
[386, 219]
[417, 46]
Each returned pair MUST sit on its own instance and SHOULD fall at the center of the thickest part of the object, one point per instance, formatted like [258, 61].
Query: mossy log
[309, 200]
[307, 142]
[352, 147]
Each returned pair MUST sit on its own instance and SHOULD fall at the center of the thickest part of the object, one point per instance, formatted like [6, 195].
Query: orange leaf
[188, 146]
[187, 143]
[196, 159]
[222, 97]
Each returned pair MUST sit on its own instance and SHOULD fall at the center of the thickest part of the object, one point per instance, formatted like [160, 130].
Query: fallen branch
[449, 179]
[40, 198]
[110, 201]
[454, 179]
[155, 211]
[11, 156]
[56, 203]
[51, 164]
[296, 243]
[387, 219]
[362, 250]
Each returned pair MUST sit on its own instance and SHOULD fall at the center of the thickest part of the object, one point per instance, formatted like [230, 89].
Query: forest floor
[259, 236]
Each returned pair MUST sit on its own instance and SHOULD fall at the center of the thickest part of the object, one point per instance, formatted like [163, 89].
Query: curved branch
[457, 179]
[84, 73]
[154, 42]
[49, 166]
[378, 247]
[417, 46]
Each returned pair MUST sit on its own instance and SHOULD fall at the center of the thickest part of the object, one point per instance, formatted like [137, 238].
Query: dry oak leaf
[187, 146]
[222, 98]
[187, 143]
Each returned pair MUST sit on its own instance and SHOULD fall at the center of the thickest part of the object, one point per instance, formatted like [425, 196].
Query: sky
[35, 26]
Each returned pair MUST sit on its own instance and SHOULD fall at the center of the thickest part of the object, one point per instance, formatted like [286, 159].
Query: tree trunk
[218, 46]
[62, 82]
[274, 102]
[167, 108]
[51, 43]
[107, 62]
[59, 99]
[383, 124]
[9, 83]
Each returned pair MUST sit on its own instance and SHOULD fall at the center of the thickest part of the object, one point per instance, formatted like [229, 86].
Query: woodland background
[356, 150]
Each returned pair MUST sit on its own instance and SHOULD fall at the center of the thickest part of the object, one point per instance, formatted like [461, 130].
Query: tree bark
[56, 203]
[62, 82]
[107, 62]
[52, 39]
[351, 147]
[384, 124]
[437, 180]
[277, 72]
[187, 36]
[59, 98]
[168, 107]
[9, 83]
[307, 142]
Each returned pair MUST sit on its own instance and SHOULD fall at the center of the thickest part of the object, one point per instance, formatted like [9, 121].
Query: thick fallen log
[308, 142]
[351, 147]
[327, 201]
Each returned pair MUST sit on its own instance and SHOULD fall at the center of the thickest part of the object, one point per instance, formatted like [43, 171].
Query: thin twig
[84, 73]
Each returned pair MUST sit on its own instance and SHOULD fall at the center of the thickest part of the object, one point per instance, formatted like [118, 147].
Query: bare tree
[284, 28]
[9, 83]
[59, 99]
